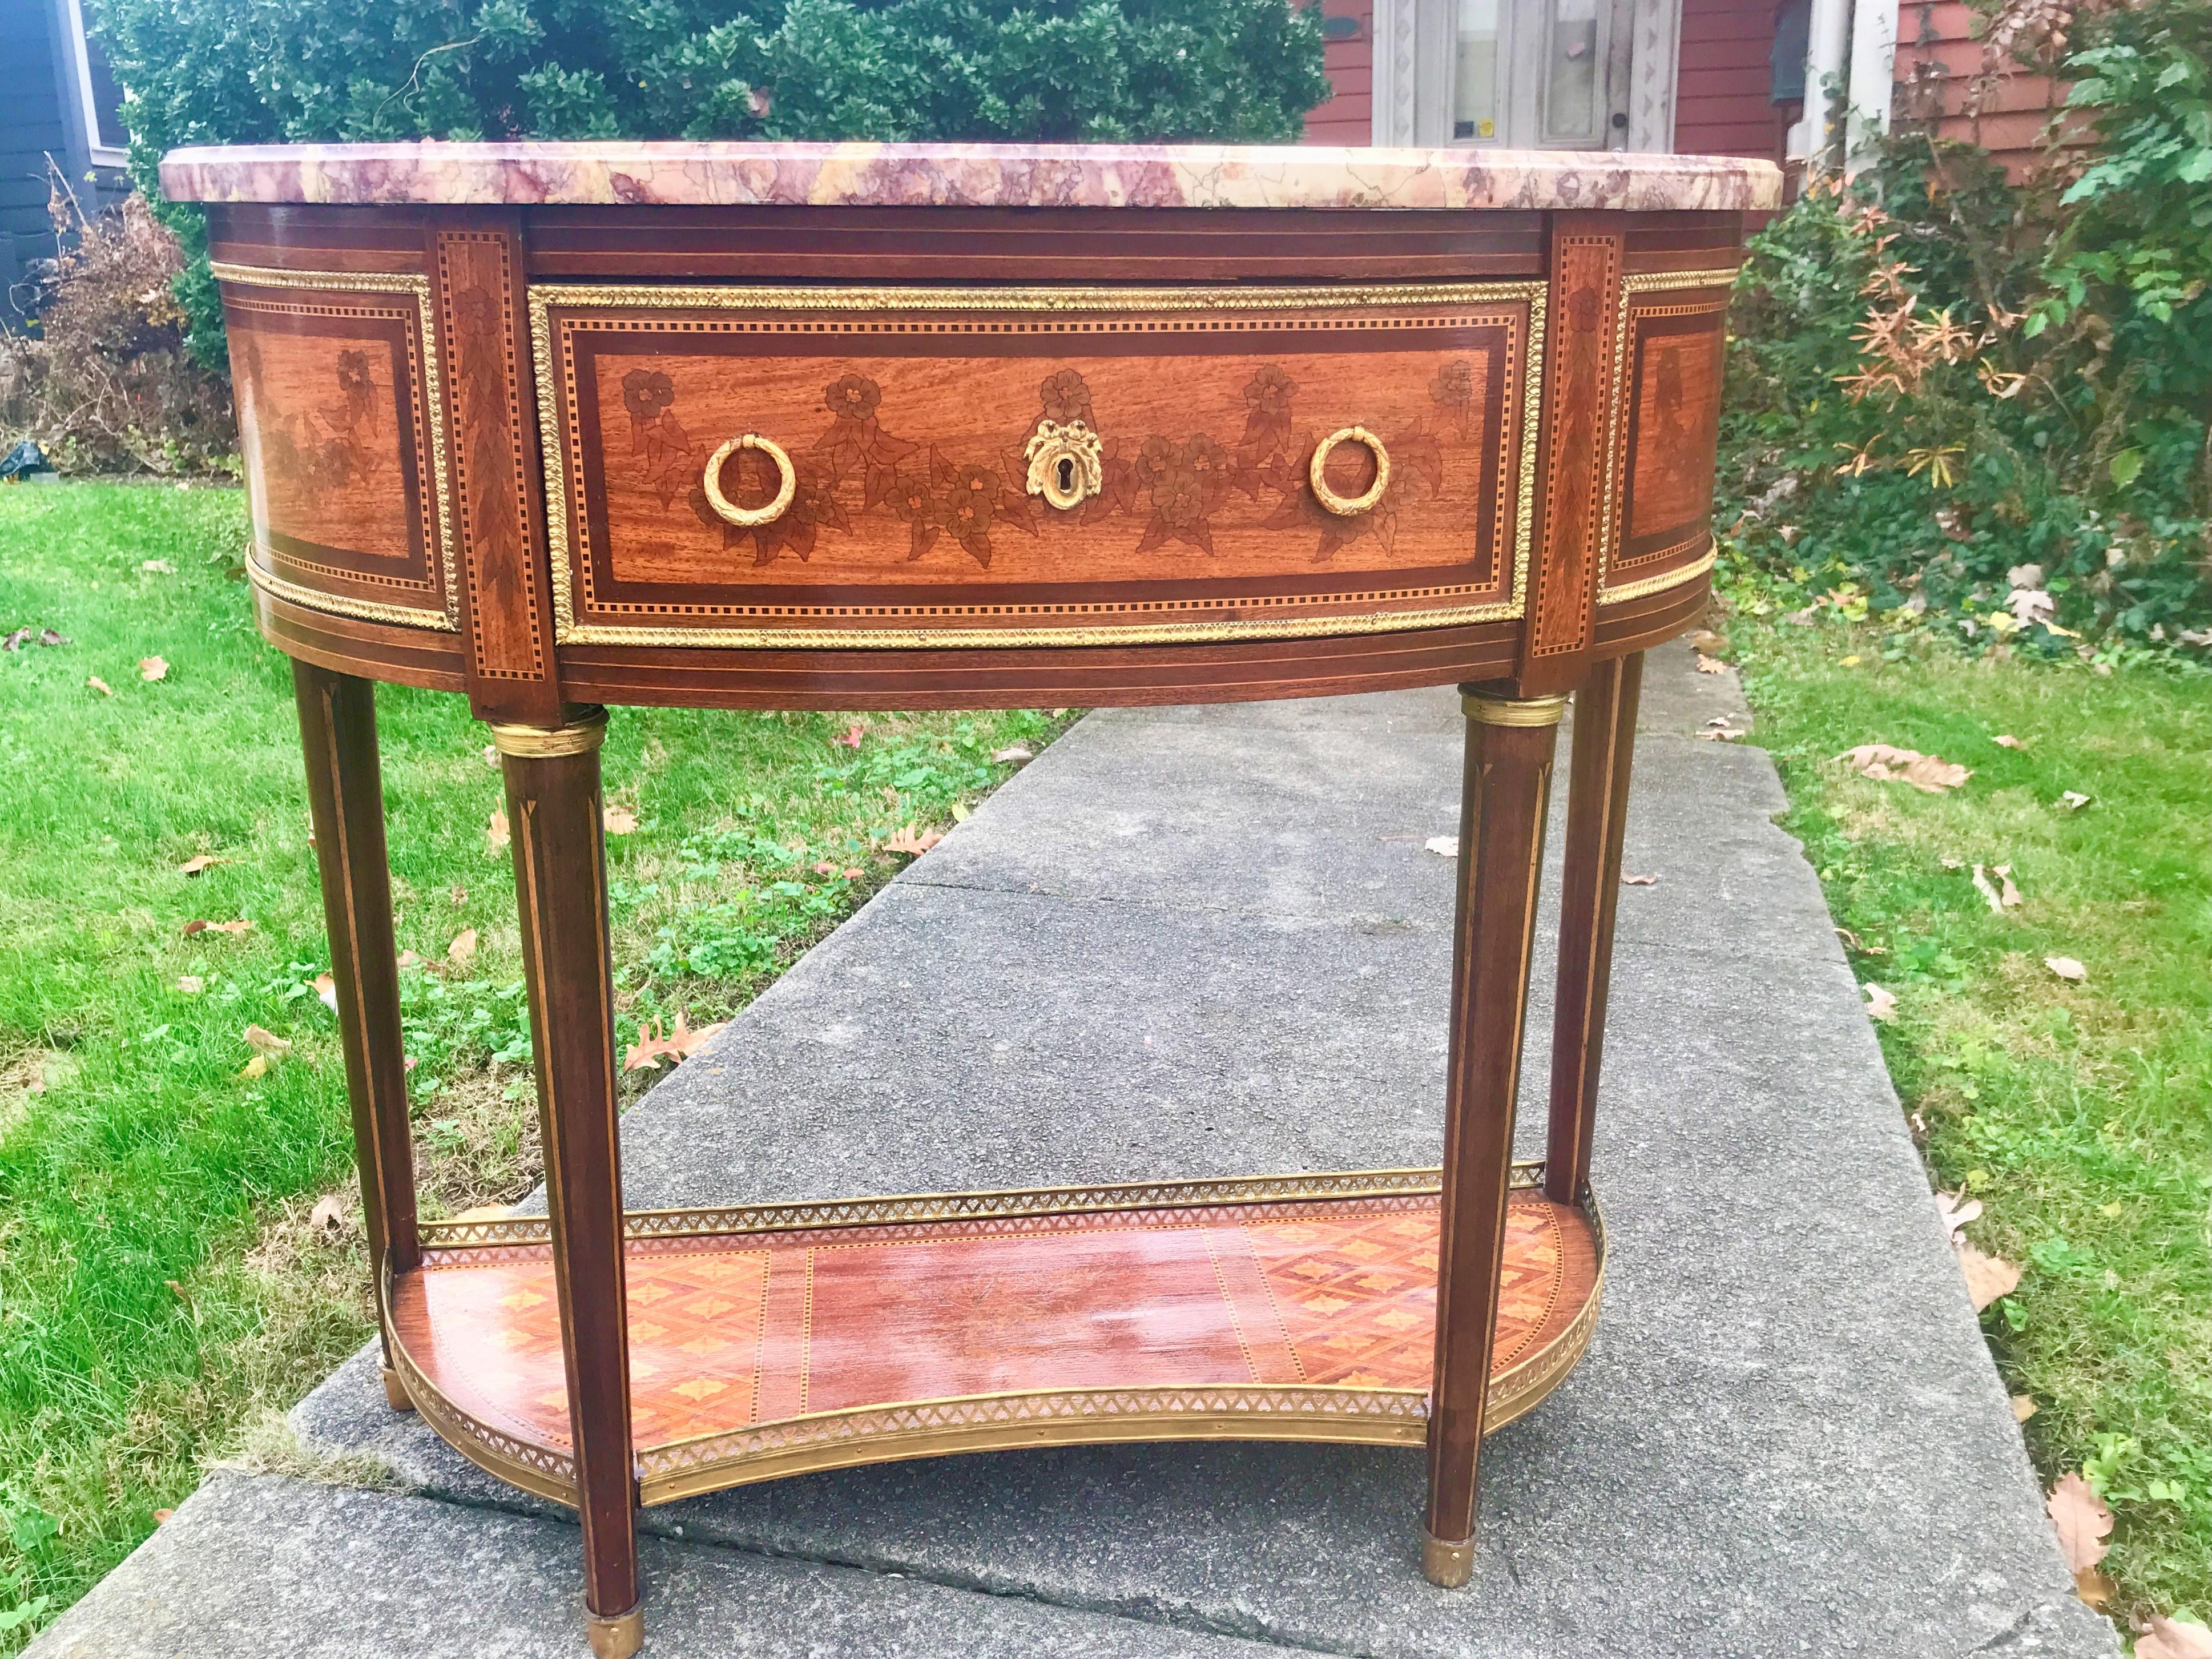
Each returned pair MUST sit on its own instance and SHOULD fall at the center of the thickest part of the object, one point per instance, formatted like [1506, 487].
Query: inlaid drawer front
[751, 466]
[335, 380]
[1667, 424]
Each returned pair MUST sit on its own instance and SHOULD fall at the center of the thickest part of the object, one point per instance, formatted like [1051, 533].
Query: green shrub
[1953, 393]
[264, 71]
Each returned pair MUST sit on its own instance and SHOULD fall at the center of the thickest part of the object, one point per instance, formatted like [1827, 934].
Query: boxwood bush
[268, 72]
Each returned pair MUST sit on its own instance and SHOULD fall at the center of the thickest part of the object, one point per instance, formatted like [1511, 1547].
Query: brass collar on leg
[615, 1637]
[1447, 1564]
[1491, 709]
[583, 729]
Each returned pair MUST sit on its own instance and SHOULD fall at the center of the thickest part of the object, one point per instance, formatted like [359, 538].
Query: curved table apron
[940, 426]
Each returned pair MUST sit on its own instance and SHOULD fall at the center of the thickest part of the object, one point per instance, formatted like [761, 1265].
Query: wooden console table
[557, 426]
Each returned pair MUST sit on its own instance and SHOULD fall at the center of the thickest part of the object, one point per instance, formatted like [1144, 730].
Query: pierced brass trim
[1616, 426]
[921, 1208]
[786, 485]
[1346, 507]
[339, 604]
[583, 730]
[1487, 710]
[433, 400]
[561, 488]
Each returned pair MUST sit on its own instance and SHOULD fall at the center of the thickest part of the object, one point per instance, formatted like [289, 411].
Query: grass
[164, 1282]
[2080, 1113]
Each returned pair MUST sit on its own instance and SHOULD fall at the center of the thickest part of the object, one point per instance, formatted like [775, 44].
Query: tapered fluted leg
[1510, 743]
[345, 796]
[1597, 812]
[554, 809]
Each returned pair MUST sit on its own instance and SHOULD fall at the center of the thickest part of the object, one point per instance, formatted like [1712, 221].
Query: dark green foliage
[247, 71]
[1941, 379]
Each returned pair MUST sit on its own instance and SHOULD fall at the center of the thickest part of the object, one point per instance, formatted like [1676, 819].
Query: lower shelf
[778, 1339]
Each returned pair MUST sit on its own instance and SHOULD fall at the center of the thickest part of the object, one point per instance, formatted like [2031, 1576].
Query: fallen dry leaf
[1706, 641]
[153, 668]
[2073, 800]
[191, 984]
[496, 834]
[1013, 755]
[408, 959]
[960, 813]
[1880, 1003]
[1444, 846]
[1930, 774]
[328, 1216]
[1725, 734]
[2023, 1407]
[618, 820]
[2006, 740]
[460, 896]
[157, 567]
[483, 1213]
[2081, 1521]
[1988, 1277]
[233, 928]
[2091, 1585]
[1710, 666]
[161, 1516]
[908, 841]
[854, 733]
[2066, 967]
[2169, 1638]
[193, 865]
[463, 947]
[263, 1040]
[1957, 1210]
[1999, 899]
[650, 1048]
[255, 1066]
[1639, 881]
[100, 685]
[327, 989]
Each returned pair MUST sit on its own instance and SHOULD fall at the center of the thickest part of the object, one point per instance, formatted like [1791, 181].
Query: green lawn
[162, 1284]
[2079, 1112]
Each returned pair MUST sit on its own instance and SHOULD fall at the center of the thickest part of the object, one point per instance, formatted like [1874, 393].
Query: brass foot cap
[395, 1392]
[1448, 1565]
[617, 1636]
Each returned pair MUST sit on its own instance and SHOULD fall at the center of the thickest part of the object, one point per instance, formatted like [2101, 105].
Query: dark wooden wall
[41, 115]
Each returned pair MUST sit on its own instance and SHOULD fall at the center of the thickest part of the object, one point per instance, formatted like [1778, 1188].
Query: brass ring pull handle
[750, 515]
[1346, 507]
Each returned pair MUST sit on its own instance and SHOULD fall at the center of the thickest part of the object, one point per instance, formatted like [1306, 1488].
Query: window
[99, 96]
[1474, 80]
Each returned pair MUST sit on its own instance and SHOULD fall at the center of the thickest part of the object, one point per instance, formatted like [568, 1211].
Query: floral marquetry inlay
[1043, 474]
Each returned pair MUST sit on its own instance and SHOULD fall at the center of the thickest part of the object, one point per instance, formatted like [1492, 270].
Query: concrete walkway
[1195, 941]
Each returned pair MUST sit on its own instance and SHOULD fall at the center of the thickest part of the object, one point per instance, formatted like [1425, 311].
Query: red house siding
[1724, 92]
[1348, 116]
[1937, 62]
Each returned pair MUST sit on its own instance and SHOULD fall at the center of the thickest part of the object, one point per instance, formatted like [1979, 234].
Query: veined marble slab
[968, 175]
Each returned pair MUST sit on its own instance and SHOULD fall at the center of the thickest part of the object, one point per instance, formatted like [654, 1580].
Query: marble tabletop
[966, 175]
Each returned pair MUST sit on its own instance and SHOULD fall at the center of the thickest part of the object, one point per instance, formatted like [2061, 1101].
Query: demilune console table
[556, 426]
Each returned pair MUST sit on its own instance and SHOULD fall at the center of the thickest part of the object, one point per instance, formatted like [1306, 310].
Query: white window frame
[1414, 59]
[102, 154]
